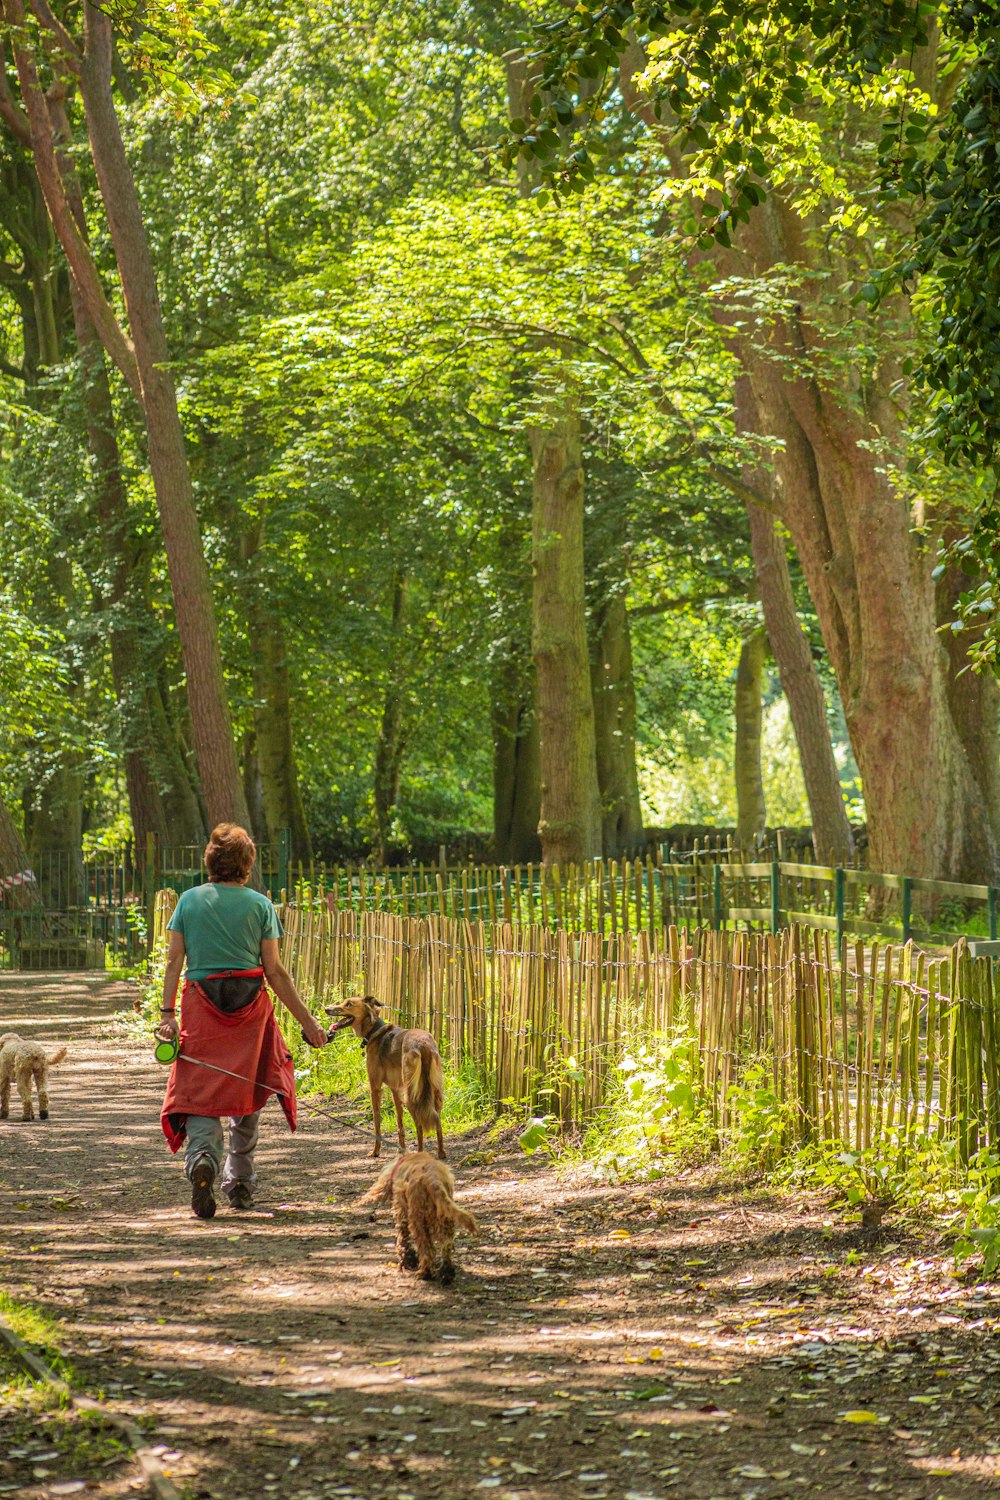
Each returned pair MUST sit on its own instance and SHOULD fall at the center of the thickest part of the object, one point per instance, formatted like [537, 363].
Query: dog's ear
[375, 1004]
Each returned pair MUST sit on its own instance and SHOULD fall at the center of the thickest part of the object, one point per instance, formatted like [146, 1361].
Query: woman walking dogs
[229, 936]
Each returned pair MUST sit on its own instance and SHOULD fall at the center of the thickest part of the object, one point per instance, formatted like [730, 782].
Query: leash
[170, 1052]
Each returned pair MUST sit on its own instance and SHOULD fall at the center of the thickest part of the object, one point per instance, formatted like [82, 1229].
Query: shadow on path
[599, 1342]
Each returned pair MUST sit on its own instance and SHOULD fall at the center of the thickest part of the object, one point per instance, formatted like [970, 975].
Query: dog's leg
[442, 1156]
[4, 1095]
[405, 1253]
[376, 1093]
[24, 1089]
[423, 1240]
[43, 1096]
[400, 1126]
[446, 1275]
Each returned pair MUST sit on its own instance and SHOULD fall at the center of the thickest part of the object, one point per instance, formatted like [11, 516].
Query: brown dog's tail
[462, 1217]
[380, 1190]
[57, 1057]
[424, 1087]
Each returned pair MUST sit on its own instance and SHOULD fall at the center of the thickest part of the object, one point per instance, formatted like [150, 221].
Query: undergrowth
[35, 1328]
[656, 1119]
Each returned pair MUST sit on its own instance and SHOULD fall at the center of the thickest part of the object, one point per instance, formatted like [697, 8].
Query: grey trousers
[205, 1138]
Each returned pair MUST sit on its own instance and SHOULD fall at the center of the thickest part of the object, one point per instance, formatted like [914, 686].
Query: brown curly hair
[229, 853]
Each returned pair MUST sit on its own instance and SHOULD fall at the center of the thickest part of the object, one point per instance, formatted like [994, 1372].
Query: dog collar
[374, 1031]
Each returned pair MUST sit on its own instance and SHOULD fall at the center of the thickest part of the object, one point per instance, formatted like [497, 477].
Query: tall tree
[832, 836]
[613, 690]
[829, 416]
[143, 358]
[18, 885]
[751, 811]
[570, 825]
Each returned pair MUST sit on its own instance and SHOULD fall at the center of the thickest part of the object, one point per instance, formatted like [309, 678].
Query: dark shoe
[240, 1195]
[202, 1180]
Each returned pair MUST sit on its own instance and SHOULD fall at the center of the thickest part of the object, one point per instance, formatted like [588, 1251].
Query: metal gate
[71, 912]
[68, 912]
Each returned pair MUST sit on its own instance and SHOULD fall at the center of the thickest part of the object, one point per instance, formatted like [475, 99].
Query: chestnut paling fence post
[866, 1046]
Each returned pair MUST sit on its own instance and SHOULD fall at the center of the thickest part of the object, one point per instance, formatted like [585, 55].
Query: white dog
[22, 1061]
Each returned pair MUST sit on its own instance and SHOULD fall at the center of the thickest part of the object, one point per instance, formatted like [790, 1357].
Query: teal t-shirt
[222, 927]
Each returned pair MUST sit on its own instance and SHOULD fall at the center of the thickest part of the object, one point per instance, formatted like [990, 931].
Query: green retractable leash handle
[167, 1052]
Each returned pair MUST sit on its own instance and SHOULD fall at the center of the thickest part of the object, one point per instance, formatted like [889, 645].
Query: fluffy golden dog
[22, 1063]
[425, 1212]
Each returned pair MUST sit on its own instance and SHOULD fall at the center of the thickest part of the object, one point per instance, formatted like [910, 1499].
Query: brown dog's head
[361, 1012]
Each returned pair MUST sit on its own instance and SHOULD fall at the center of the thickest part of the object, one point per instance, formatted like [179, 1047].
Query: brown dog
[425, 1214]
[407, 1062]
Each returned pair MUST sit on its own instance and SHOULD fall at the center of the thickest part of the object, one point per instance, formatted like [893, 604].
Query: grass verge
[35, 1418]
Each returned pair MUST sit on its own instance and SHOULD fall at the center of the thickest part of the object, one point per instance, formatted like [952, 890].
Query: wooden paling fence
[861, 1043]
[629, 895]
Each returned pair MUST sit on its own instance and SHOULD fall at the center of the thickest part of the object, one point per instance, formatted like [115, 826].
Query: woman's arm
[281, 983]
[171, 978]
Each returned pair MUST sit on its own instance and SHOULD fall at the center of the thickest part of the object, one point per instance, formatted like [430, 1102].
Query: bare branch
[740, 590]
[52, 24]
[11, 112]
[728, 478]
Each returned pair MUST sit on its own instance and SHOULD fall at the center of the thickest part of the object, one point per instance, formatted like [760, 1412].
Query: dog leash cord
[316, 1109]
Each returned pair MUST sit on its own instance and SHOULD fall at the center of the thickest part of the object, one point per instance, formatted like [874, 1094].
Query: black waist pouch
[231, 992]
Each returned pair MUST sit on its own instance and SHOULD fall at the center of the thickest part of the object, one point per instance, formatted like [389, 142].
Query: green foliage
[36, 1328]
[540, 1134]
[761, 1123]
[979, 1198]
[654, 1115]
[655, 1119]
[726, 78]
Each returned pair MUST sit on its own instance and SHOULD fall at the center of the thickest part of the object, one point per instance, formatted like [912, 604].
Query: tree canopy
[699, 248]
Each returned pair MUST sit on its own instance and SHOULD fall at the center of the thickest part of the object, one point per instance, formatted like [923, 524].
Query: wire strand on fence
[860, 1040]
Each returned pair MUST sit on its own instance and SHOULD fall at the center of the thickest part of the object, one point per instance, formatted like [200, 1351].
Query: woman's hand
[315, 1034]
[168, 1028]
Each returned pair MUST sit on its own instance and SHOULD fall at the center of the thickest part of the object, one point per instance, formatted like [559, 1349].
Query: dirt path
[598, 1342]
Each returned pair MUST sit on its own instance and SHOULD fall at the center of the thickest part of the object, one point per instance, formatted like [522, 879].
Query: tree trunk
[54, 808]
[973, 697]
[832, 837]
[870, 583]
[129, 658]
[18, 886]
[570, 808]
[55, 836]
[516, 791]
[253, 789]
[185, 815]
[145, 363]
[123, 598]
[751, 813]
[273, 744]
[189, 578]
[392, 730]
[570, 825]
[279, 778]
[613, 690]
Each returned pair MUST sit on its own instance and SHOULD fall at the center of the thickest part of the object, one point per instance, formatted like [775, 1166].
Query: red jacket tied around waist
[246, 1041]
